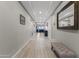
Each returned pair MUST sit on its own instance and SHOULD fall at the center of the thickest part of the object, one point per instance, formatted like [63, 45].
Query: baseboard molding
[4, 56]
[15, 55]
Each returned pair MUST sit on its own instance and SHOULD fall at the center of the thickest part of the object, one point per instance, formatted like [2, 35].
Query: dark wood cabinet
[46, 33]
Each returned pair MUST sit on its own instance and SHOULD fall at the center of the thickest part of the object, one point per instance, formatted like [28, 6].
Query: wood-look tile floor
[39, 47]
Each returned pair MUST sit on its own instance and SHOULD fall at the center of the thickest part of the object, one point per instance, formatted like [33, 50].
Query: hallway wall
[13, 35]
[68, 37]
[49, 28]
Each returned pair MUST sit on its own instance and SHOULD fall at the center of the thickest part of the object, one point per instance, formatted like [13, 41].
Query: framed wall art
[22, 19]
[67, 17]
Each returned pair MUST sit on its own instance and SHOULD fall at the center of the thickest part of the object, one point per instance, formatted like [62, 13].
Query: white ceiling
[40, 10]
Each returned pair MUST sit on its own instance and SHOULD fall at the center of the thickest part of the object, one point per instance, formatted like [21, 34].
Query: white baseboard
[15, 55]
[4, 56]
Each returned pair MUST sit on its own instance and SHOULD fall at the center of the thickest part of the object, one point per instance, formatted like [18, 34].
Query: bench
[62, 51]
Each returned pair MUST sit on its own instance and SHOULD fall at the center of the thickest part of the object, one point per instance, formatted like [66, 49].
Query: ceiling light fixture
[40, 12]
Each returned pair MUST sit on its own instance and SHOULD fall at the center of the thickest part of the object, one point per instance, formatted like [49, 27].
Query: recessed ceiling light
[40, 12]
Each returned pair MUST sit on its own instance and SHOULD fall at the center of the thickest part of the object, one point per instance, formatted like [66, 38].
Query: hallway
[39, 47]
[39, 29]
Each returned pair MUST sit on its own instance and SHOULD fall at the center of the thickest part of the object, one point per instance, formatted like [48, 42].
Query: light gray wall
[13, 35]
[68, 37]
[49, 28]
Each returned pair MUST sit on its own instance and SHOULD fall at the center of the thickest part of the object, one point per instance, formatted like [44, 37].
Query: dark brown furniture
[46, 33]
